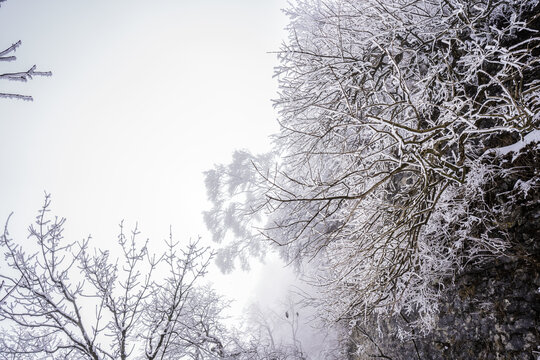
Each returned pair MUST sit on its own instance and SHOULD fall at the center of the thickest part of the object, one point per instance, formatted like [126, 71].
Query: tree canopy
[391, 113]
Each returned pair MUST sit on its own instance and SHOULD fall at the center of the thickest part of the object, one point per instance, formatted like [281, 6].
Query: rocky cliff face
[490, 310]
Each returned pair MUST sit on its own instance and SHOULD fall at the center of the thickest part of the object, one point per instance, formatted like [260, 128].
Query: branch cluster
[67, 302]
[7, 55]
[388, 112]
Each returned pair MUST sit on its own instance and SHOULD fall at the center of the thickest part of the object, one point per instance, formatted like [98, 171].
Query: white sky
[144, 97]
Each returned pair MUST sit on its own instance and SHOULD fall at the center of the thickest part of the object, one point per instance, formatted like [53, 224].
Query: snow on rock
[532, 137]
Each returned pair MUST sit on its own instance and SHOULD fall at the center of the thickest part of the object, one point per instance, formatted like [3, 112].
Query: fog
[142, 100]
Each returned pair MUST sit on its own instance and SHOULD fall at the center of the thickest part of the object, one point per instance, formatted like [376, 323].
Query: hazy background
[144, 97]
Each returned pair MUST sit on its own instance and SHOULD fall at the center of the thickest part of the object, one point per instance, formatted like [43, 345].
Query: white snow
[533, 136]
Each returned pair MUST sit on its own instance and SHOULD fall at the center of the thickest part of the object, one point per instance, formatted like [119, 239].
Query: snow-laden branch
[395, 117]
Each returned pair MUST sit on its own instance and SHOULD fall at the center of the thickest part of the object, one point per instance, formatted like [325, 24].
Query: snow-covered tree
[390, 111]
[64, 301]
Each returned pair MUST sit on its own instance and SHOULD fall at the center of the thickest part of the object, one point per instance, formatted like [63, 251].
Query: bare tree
[65, 302]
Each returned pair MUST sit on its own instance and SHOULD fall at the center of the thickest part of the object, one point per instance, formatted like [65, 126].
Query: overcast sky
[144, 97]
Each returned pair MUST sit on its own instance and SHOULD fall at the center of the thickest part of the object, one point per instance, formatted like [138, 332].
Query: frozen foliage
[237, 191]
[390, 112]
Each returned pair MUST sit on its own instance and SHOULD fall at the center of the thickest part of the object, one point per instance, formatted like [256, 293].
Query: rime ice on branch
[7, 55]
[389, 111]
